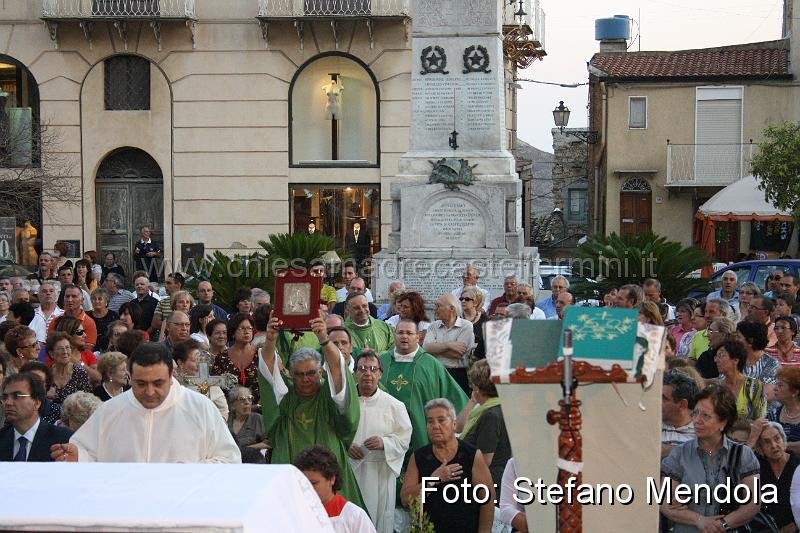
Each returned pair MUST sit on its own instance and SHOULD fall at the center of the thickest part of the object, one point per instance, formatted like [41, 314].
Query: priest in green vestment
[304, 410]
[365, 330]
[415, 377]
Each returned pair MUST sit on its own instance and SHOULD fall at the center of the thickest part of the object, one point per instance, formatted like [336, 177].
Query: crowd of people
[374, 398]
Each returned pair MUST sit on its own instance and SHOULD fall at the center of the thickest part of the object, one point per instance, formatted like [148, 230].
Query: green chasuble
[298, 423]
[415, 384]
[378, 335]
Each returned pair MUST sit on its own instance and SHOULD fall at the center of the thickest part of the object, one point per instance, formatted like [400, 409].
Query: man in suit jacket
[27, 437]
[358, 243]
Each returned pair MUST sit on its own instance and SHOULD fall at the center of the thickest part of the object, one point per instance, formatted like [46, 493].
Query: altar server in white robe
[155, 421]
[380, 443]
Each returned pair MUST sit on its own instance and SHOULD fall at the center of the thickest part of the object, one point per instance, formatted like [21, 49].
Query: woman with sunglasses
[246, 426]
[472, 309]
[747, 292]
[80, 355]
[69, 375]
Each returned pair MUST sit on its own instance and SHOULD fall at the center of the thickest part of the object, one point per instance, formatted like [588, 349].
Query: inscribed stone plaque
[451, 17]
[452, 222]
[468, 98]
[8, 235]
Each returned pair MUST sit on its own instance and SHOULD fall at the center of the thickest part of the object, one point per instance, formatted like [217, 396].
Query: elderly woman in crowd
[453, 462]
[199, 317]
[113, 366]
[80, 355]
[691, 463]
[77, 408]
[787, 410]
[747, 292]
[69, 372]
[731, 358]
[785, 350]
[102, 316]
[21, 344]
[187, 365]
[246, 426]
[719, 330]
[217, 333]
[481, 422]
[472, 310]
[759, 365]
[683, 321]
[777, 468]
[240, 359]
[319, 465]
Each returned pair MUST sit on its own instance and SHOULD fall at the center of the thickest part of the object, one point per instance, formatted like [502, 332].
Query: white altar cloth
[158, 497]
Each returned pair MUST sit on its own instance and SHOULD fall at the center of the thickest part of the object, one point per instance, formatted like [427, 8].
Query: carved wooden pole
[570, 449]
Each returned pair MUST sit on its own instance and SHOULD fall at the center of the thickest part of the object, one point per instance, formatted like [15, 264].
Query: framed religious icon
[297, 297]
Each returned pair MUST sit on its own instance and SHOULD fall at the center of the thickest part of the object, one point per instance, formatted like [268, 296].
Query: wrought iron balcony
[118, 9]
[120, 12]
[712, 165]
[332, 8]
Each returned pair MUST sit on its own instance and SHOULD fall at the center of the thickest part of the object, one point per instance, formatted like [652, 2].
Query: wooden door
[129, 194]
[635, 211]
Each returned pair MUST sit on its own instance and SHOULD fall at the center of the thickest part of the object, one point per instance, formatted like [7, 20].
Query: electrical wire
[566, 85]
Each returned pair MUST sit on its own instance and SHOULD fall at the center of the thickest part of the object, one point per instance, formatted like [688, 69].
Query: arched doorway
[635, 207]
[129, 195]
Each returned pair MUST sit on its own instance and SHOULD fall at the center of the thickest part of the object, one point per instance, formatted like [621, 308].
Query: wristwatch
[724, 524]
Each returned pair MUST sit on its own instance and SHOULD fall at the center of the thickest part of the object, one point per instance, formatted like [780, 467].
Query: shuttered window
[127, 83]
[637, 112]
[718, 134]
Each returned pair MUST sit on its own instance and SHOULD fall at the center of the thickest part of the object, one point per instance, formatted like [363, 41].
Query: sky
[663, 25]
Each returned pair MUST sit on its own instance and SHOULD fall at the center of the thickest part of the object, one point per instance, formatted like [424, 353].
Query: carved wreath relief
[434, 60]
[476, 59]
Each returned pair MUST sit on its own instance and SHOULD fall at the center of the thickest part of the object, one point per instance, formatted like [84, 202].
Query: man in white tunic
[156, 421]
[380, 443]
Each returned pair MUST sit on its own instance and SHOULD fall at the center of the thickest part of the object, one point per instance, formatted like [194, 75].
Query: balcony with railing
[331, 11]
[709, 165]
[118, 9]
[119, 12]
[333, 8]
[527, 14]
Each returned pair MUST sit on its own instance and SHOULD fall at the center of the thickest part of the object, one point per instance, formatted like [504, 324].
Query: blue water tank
[615, 28]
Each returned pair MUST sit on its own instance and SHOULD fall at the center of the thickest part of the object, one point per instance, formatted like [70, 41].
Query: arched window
[333, 113]
[636, 185]
[20, 134]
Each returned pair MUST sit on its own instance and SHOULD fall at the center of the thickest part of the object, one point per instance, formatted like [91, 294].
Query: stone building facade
[211, 121]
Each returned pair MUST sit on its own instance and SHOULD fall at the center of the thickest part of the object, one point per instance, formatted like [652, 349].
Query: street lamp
[561, 119]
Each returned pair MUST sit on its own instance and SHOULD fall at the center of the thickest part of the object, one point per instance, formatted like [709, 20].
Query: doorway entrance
[635, 208]
[130, 192]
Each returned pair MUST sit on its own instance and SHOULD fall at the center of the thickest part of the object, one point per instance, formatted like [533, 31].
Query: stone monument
[457, 198]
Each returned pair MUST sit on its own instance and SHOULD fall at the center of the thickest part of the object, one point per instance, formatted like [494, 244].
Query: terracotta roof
[758, 60]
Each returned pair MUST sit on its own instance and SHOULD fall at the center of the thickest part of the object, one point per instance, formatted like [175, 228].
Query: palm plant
[227, 274]
[614, 261]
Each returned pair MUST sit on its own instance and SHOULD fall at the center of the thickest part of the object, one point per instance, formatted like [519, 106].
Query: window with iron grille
[127, 83]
